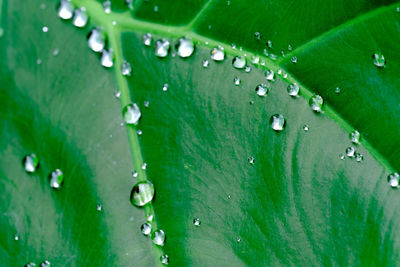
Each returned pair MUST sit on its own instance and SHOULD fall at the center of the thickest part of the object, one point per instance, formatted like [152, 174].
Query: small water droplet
[139, 132]
[379, 60]
[39, 61]
[56, 51]
[146, 103]
[126, 68]
[398, 9]
[158, 237]
[45, 263]
[350, 151]
[99, 207]
[56, 178]
[255, 59]
[149, 217]
[355, 137]
[135, 174]
[293, 89]
[196, 222]
[289, 47]
[155, 9]
[247, 69]
[229, 196]
[45, 29]
[117, 94]
[218, 53]
[96, 40]
[107, 6]
[273, 56]
[278, 122]
[107, 58]
[337, 90]
[238, 239]
[294, 59]
[164, 259]
[269, 44]
[262, 90]
[65, 9]
[342, 156]
[205, 63]
[316, 103]
[30, 163]
[257, 35]
[393, 180]
[165, 87]
[236, 80]
[251, 160]
[162, 48]
[16, 237]
[270, 75]
[239, 62]
[185, 47]
[142, 193]
[306, 128]
[359, 157]
[131, 113]
[147, 39]
[80, 17]
[144, 166]
[146, 229]
[30, 264]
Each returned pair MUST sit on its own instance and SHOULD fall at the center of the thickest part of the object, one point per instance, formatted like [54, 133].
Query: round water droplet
[379, 60]
[196, 222]
[262, 90]
[393, 180]
[350, 151]
[162, 48]
[96, 40]
[142, 193]
[45, 263]
[278, 122]
[30, 163]
[238, 239]
[251, 160]
[205, 63]
[270, 75]
[126, 68]
[359, 157]
[45, 29]
[30, 264]
[147, 39]
[131, 113]
[80, 17]
[135, 174]
[139, 132]
[294, 60]
[107, 6]
[293, 89]
[355, 137]
[185, 47]
[236, 80]
[218, 53]
[56, 178]
[269, 44]
[65, 9]
[342, 156]
[117, 94]
[247, 69]
[158, 237]
[107, 58]
[255, 59]
[146, 103]
[316, 103]
[145, 228]
[306, 128]
[337, 90]
[239, 62]
[56, 51]
[165, 87]
[155, 9]
[16, 237]
[164, 259]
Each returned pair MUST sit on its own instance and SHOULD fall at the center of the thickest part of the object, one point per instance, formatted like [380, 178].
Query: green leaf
[298, 203]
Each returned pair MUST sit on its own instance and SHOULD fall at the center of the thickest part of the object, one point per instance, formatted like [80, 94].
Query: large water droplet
[393, 180]
[158, 237]
[185, 47]
[66, 9]
[30, 163]
[278, 122]
[96, 40]
[107, 6]
[350, 152]
[196, 222]
[379, 59]
[316, 103]
[142, 193]
[131, 113]
[355, 137]
[145, 228]
[164, 259]
[126, 68]
[218, 53]
[56, 178]
[293, 89]
[107, 58]
[45, 263]
[80, 18]
[162, 48]
[270, 75]
[239, 62]
[262, 90]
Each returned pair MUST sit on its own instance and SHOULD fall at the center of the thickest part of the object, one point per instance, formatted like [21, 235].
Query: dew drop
[80, 18]
[239, 62]
[147, 39]
[273, 56]
[158, 237]
[144, 166]
[270, 75]
[117, 94]
[257, 35]
[56, 178]
[66, 9]
[149, 217]
[205, 63]
[393, 180]
[96, 40]
[355, 137]
[107, 58]
[294, 60]
[164, 259]
[196, 222]
[316, 103]
[30, 163]
[39, 61]
[142, 193]
[269, 44]
[146, 103]
[255, 59]
[251, 160]
[56, 51]
[107, 6]
[238, 239]
[247, 69]
[45, 29]
[293, 89]
[398, 9]
[278, 122]
[99, 207]
[126, 68]
[135, 174]
[379, 60]
[342, 156]
[155, 9]
[30, 264]
[185, 47]
[131, 113]
[289, 47]
[218, 53]
[359, 157]
[16, 237]
[165, 87]
[139, 132]
[350, 151]
[262, 90]
[337, 90]
[45, 263]
[306, 128]
[162, 48]
[145, 228]
[236, 80]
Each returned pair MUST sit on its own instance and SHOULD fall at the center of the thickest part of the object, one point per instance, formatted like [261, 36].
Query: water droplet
[293, 89]
[155, 9]
[80, 18]
[107, 58]
[337, 90]
[30, 264]
[251, 160]
[350, 151]
[306, 128]
[117, 94]
[255, 59]
[162, 48]
[342, 156]
[56, 51]
[135, 174]
[379, 59]
[149, 217]
[236, 80]
[247, 69]
[96, 40]
[262, 90]
[239, 62]
[273, 56]
[30, 163]
[145, 228]
[205, 63]
[45, 263]
[45, 29]
[146, 104]
[398, 9]
[185, 47]
[359, 157]
[269, 44]
[294, 59]
[107, 6]
[278, 122]
[16, 237]
[126, 68]
[66, 9]
[139, 132]
[289, 47]
[144, 166]
[38, 61]
[165, 87]
[196, 222]
[147, 39]
[316, 103]
[158, 237]
[99, 207]
[218, 53]
[257, 35]
[131, 113]
[393, 180]
[270, 75]
[238, 239]
[142, 193]
[355, 137]
[56, 178]
[164, 259]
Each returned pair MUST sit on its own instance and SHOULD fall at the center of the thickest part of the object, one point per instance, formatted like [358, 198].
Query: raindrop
[379, 59]
[257, 35]
[185, 47]
[126, 68]
[350, 151]
[131, 113]
[359, 157]
[107, 6]
[45, 263]
[165, 87]
[251, 160]
[316, 103]
[158, 237]
[294, 59]
[45, 29]
[162, 48]
[247, 69]
[196, 222]
[262, 90]
[393, 180]
[30, 163]
[145, 228]
[355, 137]
[205, 63]
[66, 9]
[107, 58]
[293, 89]
[80, 18]
[306, 128]
[217, 53]
[239, 62]
[236, 80]
[270, 75]
[99, 207]
[278, 122]
[273, 56]
[147, 39]
[96, 40]
[164, 259]
[56, 178]
[337, 90]
[142, 193]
